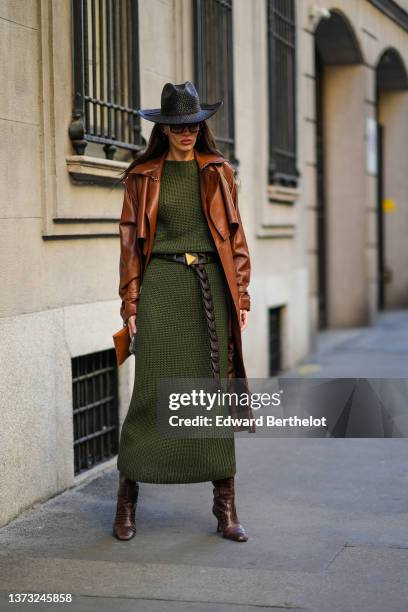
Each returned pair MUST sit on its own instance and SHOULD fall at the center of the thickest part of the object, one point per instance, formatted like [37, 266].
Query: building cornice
[393, 10]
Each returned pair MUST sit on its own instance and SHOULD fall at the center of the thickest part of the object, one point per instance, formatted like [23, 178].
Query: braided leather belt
[196, 262]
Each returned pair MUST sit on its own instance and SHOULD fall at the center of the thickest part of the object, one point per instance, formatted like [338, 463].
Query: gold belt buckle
[190, 258]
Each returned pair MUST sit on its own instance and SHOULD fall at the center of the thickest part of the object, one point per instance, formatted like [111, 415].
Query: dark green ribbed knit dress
[172, 340]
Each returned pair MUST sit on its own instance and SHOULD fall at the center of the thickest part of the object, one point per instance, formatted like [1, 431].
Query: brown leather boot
[224, 510]
[124, 526]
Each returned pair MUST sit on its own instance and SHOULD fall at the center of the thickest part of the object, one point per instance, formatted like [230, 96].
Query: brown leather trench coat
[219, 199]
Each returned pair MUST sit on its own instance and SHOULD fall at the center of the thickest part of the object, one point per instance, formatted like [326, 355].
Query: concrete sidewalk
[380, 351]
[327, 523]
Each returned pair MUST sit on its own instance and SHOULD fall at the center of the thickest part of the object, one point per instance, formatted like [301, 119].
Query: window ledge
[277, 194]
[283, 230]
[95, 170]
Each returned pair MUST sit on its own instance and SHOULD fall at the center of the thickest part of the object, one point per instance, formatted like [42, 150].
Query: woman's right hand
[132, 325]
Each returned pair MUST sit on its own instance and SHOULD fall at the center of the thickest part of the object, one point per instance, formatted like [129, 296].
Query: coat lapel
[228, 201]
[148, 198]
[220, 203]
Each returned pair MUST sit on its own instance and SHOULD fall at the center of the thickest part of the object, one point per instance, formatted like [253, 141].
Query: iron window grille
[281, 33]
[105, 76]
[95, 408]
[274, 334]
[213, 67]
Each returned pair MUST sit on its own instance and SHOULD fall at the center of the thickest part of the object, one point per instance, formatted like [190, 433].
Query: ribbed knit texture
[181, 224]
[172, 341]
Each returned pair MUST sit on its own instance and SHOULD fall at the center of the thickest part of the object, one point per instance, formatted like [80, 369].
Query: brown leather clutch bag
[121, 340]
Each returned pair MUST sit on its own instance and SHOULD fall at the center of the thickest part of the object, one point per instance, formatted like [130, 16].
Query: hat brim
[155, 114]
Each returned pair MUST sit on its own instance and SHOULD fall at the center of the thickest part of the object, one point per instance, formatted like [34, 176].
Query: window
[274, 333]
[282, 92]
[213, 65]
[105, 77]
[95, 406]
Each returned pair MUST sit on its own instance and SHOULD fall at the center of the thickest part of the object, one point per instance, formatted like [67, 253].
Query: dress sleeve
[130, 256]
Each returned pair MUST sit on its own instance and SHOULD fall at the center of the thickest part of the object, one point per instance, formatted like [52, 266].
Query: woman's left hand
[244, 319]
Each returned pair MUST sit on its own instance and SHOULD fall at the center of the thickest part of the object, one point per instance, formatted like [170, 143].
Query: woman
[192, 261]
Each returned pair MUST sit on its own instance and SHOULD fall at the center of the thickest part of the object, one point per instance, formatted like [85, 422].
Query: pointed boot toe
[234, 532]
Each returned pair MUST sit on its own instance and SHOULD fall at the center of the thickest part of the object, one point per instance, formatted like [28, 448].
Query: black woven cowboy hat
[180, 104]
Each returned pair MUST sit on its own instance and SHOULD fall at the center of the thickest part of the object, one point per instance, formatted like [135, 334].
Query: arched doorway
[340, 159]
[392, 208]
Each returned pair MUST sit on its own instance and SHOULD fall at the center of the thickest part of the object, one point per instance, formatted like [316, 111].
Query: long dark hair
[159, 143]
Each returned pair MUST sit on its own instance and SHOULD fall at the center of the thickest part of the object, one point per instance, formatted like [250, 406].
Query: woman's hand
[132, 325]
[244, 319]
